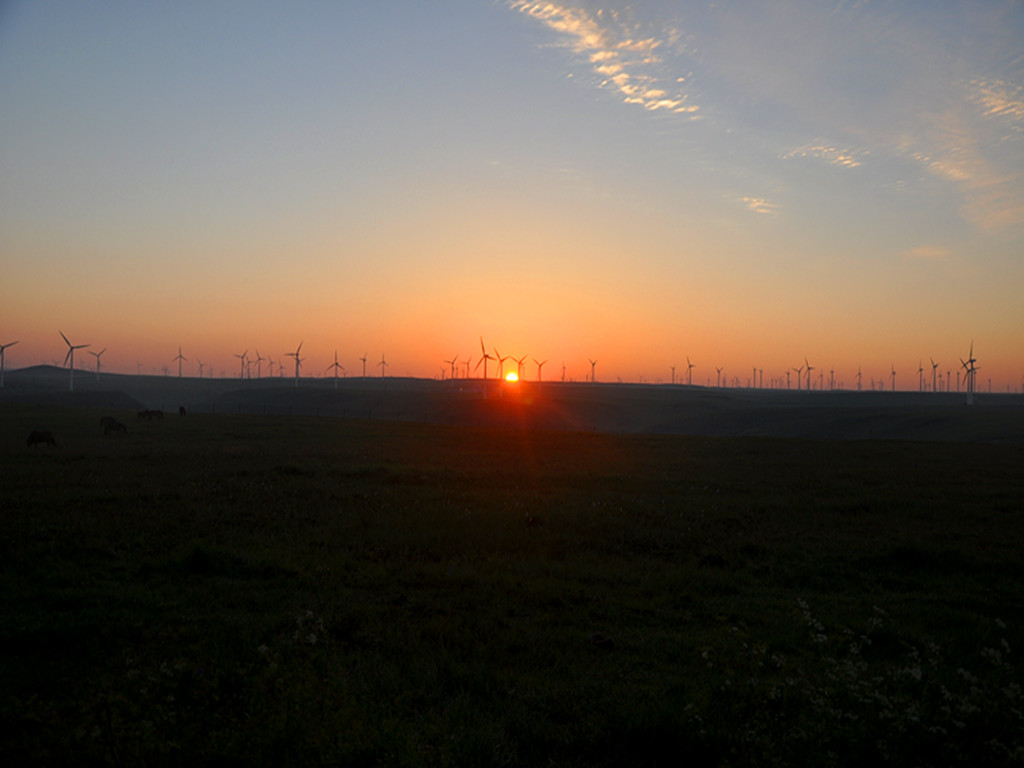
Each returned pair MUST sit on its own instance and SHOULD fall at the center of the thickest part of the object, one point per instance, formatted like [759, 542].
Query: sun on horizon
[511, 376]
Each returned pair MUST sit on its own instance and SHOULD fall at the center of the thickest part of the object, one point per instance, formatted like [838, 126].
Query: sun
[511, 376]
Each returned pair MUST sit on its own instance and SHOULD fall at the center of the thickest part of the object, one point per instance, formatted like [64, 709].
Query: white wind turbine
[180, 358]
[3, 348]
[298, 361]
[70, 357]
[97, 356]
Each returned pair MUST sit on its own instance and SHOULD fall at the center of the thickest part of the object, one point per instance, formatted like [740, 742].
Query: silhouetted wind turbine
[799, 376]
[336, 368]
[969, 374]
[363, 358]
[451, 363]
[484, 357]
[259, 365]
[3, 347]
[718, 381]
[593, 365]
[934, 366]
[71, 357]
[689, 372]
[540, 364]
[501, 362]
[241, 368]
[673, 373]
[920, 375]
[298, 360]
[383, 365]
[201, 366]
[809, 369]
[859, 378]
[893, 366]
[97, 356]
[179, 358]
[519, 365]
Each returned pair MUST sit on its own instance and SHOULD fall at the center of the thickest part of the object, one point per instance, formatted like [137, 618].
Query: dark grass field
[269, 590]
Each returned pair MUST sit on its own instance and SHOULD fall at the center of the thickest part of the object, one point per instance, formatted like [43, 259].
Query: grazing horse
[107, 420]
[40, 437]
[181, 410]
[115, 426]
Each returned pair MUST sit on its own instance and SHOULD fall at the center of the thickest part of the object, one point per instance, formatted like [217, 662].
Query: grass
[286, 591]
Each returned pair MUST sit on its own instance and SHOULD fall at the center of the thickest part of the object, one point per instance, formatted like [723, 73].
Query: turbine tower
[934, 366]
[799, 375]
[452, 362]
[520, 362]
[383, 365]
[689, 372]
[97, 356]
[920, 375]
[718, 381]
[673, 373]
[893, 374]
[180, 358]
[298, 360]
[70, 357]
[501, 362]
[540, 364]
[3, 347]
[363, 358]
[259, 365]
[809, 369]
[593, 365]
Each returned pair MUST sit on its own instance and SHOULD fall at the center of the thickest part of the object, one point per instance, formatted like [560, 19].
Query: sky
[744, 184]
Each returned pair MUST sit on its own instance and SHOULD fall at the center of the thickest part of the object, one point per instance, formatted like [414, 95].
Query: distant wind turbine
[241, 370]
[893, 373]
[336, 366]
[180, 358]
[689, 372]
[920, 375]
[540, 365]
[718, 381]
[501, 362]
[259, 365]
[934, 366]
[70, 357]
[484, 357]
[3, 347]
[593, 365]
[202, 365]
[673, 373]
[799, 375]
[97, 356]
[809, 369]
[363, 358]
[520, 362]
[383, 365]
[451, 363]
[970, 371]
[298, 361]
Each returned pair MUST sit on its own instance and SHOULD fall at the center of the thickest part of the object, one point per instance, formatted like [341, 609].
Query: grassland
[298, 591]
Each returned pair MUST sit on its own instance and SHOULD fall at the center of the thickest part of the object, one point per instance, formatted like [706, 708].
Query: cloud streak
[618, 52]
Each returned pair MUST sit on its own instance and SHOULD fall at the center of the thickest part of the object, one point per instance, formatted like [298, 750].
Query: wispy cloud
[759, 205]
[847, 158]
[623, 57]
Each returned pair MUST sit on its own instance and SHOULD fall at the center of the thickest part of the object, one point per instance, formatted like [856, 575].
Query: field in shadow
[270, 590]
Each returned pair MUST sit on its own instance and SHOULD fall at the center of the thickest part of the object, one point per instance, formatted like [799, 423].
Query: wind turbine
[718, 381]
[920, 375]
[70, 356]
[799, 376]
[336, 368]
[501, 362]
[593, 364]
[241, 369]
[383, 365]
[452, 362]
[689, 372]
[859, 378]
[673, 373]
[298, 360]
[259, 364]
[540, 364]
[519, 365]
[201, 366]
[893, 374]
[363, 358]
[179, 358]
[2, 348]
[97, 356]
[969, 374]
[809, 369]
[934, 366]
[484, 357]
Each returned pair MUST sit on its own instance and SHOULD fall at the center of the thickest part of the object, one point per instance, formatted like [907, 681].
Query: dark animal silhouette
[40, 437]
[181, 410]
[113, 426]
[104, 421]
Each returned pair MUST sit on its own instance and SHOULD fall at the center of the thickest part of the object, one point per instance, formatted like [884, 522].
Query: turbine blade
[64, 337]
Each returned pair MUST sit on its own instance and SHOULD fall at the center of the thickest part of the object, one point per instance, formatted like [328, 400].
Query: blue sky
[744, 183]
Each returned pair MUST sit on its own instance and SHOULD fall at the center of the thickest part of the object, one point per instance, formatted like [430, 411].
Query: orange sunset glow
[638, 189]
